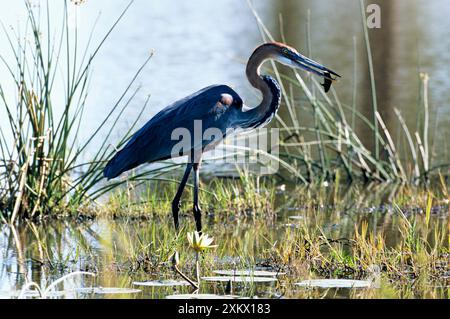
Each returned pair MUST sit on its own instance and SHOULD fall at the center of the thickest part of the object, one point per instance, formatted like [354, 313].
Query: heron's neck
[269, 88]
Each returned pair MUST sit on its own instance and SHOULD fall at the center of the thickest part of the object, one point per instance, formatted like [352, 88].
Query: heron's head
[291, 57]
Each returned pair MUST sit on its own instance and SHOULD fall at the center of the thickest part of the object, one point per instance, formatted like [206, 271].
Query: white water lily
[200, 242]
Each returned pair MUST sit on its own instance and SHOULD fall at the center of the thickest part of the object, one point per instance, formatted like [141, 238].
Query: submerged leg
[176, 200]
[197, 210]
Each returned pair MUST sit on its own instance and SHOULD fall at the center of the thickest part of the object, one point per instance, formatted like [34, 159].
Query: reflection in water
[123, 251]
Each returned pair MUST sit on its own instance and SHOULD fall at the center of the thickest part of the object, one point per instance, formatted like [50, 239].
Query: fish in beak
[299, 61]
[302, 62]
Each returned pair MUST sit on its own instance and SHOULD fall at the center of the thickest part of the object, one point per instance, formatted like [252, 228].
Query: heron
[216, 106]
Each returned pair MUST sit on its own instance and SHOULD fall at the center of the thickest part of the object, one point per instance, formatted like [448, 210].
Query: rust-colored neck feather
[268, 86]
[261, 54]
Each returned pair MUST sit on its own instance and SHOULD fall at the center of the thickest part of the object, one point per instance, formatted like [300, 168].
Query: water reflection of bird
[219, 110]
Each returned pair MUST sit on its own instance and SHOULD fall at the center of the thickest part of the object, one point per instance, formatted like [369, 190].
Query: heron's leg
[197, 210]
[176, 200]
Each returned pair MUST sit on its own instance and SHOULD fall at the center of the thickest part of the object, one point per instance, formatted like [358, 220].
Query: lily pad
[16, 293]
[161, 283]
[239, 279]
[106, 290]
[255, 273]
[32, 294]
[201, 296]
[294, 226]
[297, 217]
[335, 283]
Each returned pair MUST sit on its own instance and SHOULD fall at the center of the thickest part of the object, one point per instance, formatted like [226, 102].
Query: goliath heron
[216, 106]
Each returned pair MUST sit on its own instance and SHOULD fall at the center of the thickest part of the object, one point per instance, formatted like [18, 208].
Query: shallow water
[121, 252]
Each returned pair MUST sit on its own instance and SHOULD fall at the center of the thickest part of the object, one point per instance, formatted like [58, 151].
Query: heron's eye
[285, 51]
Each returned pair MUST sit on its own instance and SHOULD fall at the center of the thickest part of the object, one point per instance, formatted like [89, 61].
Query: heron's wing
[154, 142]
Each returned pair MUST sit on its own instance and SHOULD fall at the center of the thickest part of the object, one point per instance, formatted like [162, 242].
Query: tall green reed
[41, 166]
[330, 145]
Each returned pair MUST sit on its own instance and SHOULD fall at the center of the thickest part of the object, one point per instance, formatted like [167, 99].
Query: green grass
[240, 197]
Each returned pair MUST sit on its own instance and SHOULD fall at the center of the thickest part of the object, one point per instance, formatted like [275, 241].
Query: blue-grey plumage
[217, 107]
[153, 142]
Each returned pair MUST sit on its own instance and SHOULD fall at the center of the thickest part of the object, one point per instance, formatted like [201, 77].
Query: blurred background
[198, 43]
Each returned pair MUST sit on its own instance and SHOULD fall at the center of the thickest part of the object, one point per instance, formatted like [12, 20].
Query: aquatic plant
[175, 259]
[42, 171]
[342, 234]
[200, 242]
[318, 139]
[45, 292]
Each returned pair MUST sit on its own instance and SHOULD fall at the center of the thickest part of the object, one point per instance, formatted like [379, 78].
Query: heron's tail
[118, 164]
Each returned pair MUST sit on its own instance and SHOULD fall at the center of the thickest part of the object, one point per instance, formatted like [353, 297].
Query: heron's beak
[301, 62]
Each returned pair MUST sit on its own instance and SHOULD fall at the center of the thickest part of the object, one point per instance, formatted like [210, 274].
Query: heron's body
[153, 142]
[217, 107]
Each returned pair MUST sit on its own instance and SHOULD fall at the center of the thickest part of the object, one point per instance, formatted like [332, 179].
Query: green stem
[197, 268]
[372, 81]
[185, 277]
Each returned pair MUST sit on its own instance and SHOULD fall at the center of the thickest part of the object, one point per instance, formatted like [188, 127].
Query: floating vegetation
[244, 279]
[248, 273]
[297, 217]
[201, 296]
[335, 283]
[161, 283]
[43, 292]
[410, 246]
[31, 294]
[106, 290]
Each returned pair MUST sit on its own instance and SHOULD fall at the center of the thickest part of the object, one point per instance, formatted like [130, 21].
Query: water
[123, 251]
[200, 42]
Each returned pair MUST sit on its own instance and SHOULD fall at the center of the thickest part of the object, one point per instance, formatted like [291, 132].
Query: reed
[42, 171]
[318, 137]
